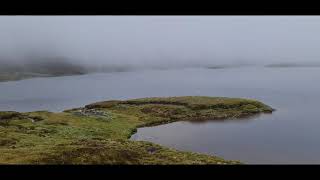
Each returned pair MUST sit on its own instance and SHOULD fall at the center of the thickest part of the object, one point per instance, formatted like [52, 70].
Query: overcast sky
[148, 40]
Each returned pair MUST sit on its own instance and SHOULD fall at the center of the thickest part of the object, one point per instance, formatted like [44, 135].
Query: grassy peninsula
[99, 133]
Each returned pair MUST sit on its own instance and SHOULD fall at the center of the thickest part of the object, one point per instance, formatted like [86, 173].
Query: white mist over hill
[159, 41]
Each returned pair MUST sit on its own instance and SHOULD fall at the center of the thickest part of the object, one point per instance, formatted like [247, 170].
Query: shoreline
[9, 77]
[99, 133]
[33, 76]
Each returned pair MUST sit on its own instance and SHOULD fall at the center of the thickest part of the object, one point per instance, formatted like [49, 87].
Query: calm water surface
[289, 135]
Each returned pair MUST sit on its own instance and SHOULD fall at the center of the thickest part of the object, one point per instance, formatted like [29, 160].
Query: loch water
[288, 135]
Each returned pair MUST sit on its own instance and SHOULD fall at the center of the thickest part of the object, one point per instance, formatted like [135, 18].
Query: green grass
[67, 138]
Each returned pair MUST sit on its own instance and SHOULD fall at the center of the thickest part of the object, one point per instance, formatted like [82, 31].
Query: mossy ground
[68, 138]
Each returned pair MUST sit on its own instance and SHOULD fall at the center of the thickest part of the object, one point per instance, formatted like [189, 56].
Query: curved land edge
[99, 133]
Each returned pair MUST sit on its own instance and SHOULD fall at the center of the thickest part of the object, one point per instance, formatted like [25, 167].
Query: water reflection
[243, 119]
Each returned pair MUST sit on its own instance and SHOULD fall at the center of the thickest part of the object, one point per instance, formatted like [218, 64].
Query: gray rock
[92, 112]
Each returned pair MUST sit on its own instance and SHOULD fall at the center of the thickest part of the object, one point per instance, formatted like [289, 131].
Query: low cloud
[158, 41]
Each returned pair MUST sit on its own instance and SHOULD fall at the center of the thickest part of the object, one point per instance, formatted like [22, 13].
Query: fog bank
[159, 41]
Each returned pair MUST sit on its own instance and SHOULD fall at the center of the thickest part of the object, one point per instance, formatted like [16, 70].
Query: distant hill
[288, 65]
[52, 66]
[10, 70]
[49, 67]
[231, 65]
[55, 67]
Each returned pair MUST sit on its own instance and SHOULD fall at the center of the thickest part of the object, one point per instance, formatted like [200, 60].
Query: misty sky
[158, 40]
